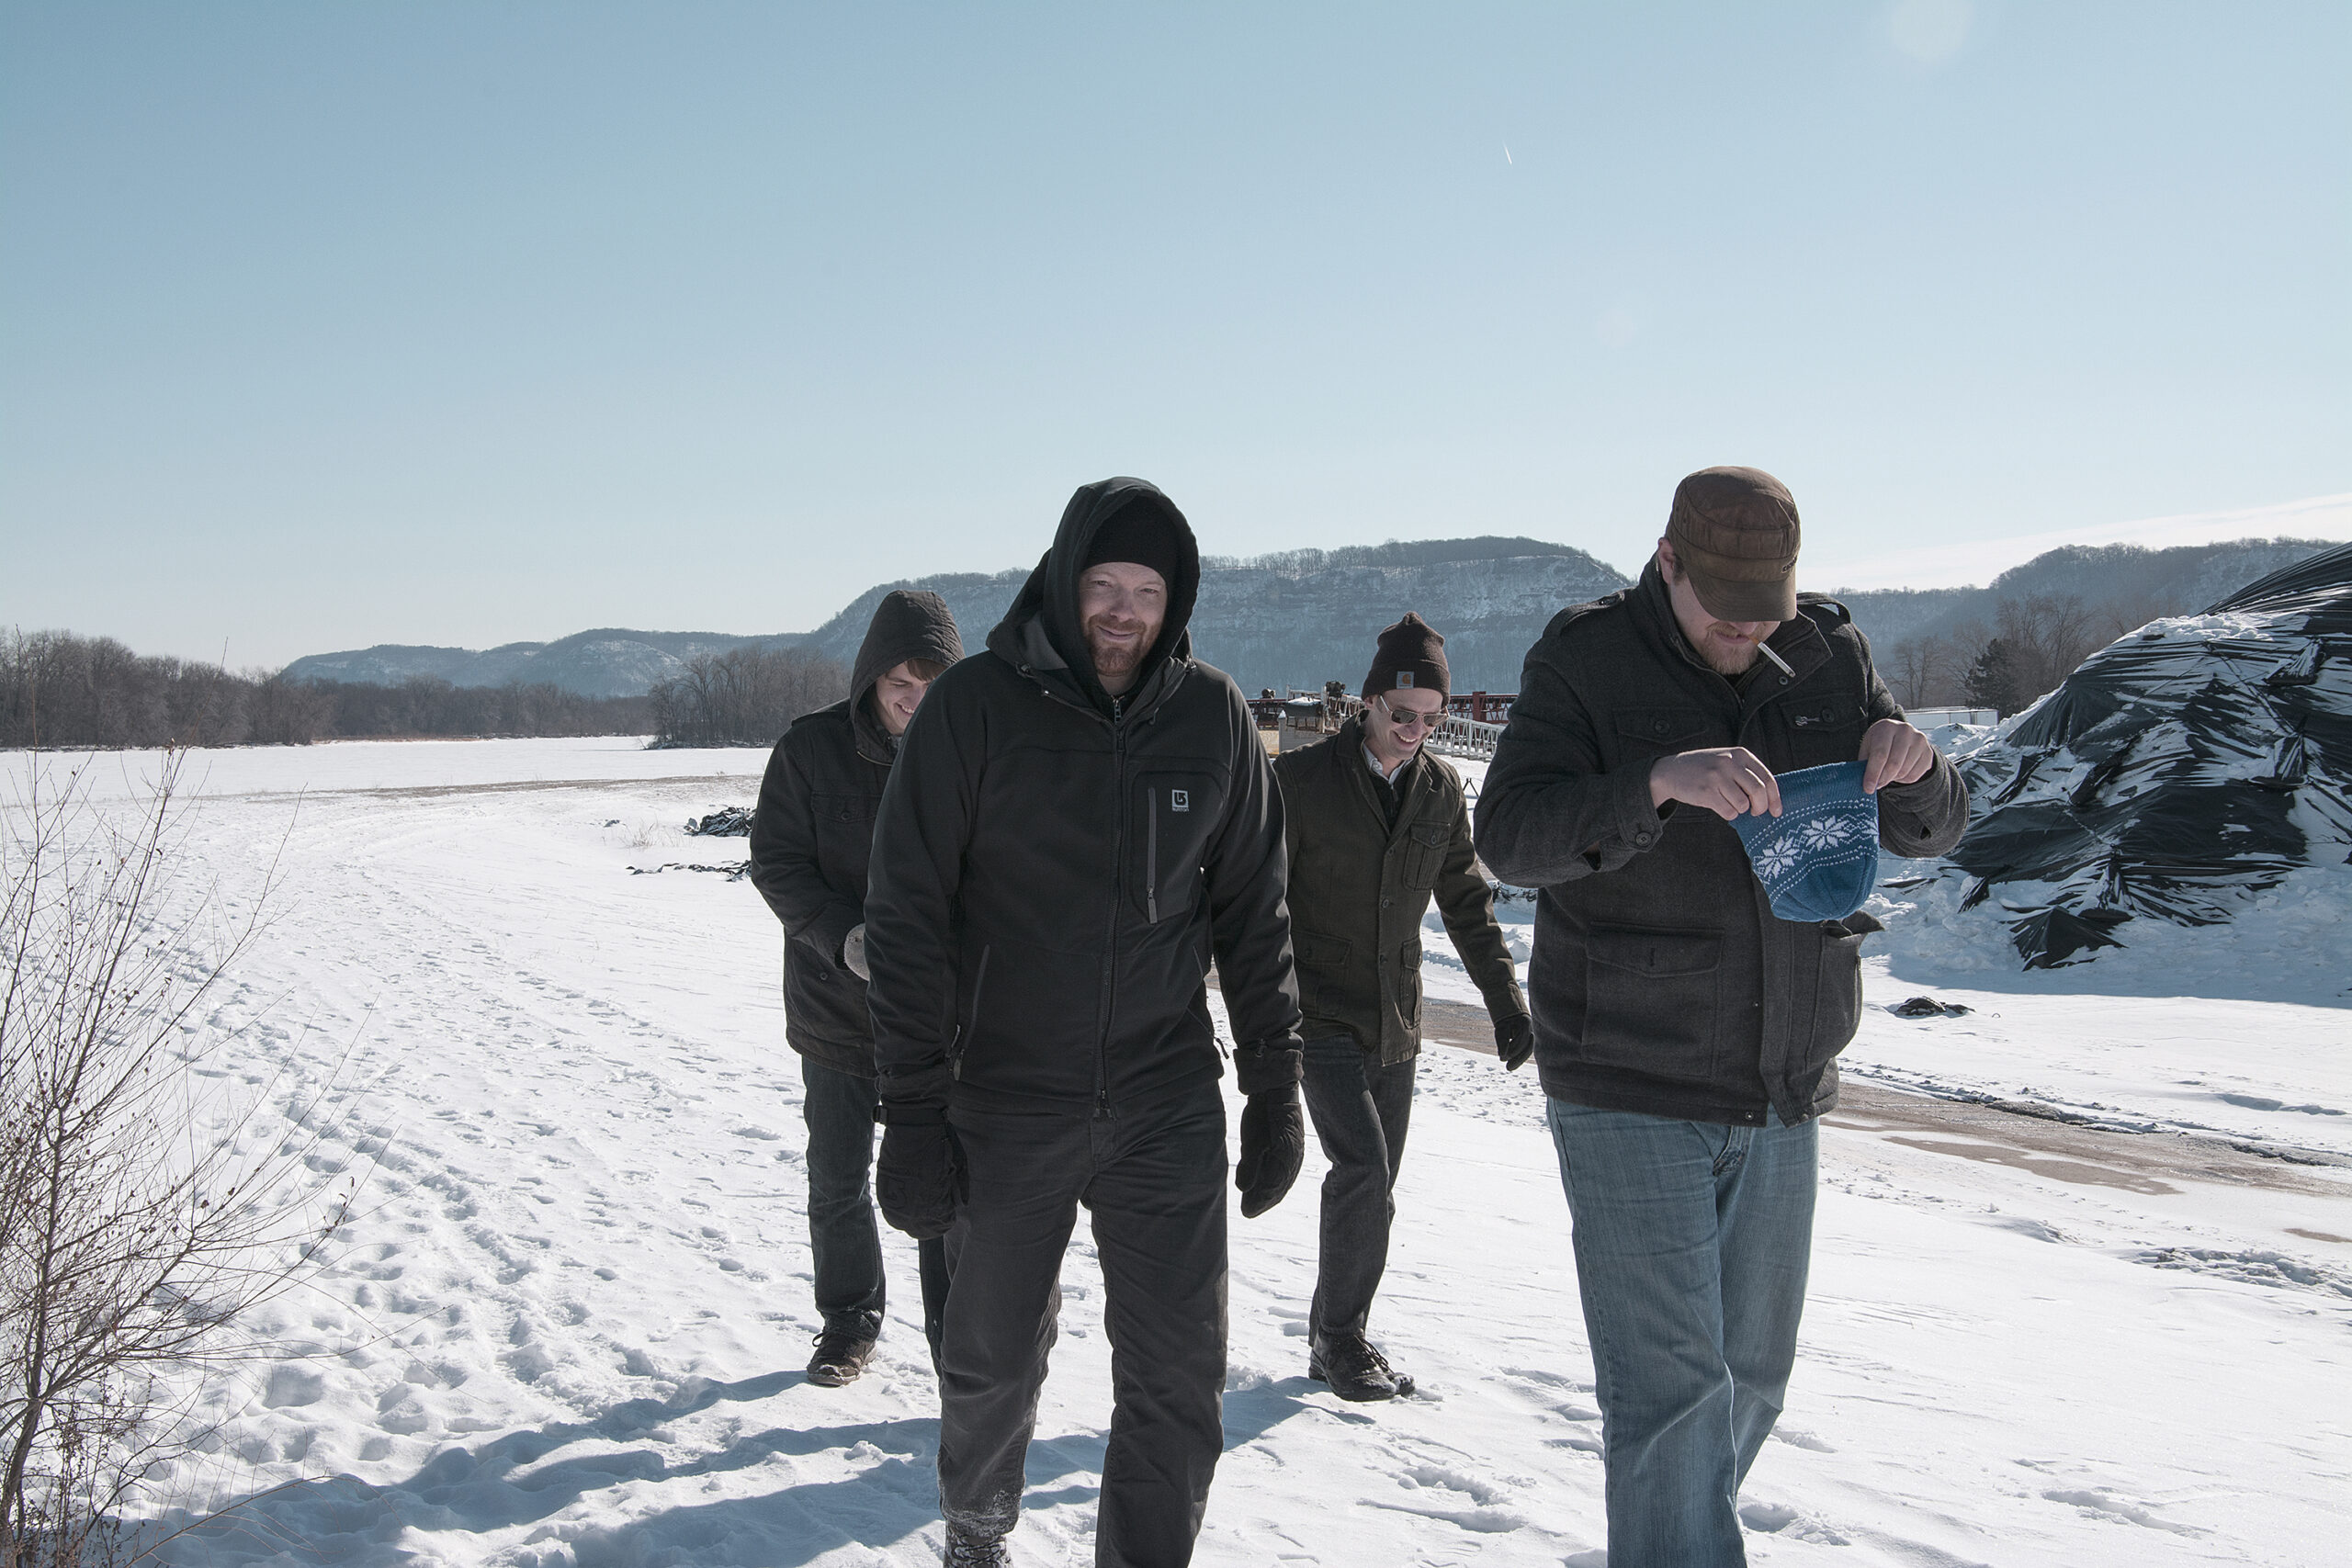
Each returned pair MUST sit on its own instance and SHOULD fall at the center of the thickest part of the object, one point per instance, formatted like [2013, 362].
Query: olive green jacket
[1358, 890]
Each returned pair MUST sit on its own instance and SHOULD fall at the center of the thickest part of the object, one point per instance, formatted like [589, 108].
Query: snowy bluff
[1307, 617]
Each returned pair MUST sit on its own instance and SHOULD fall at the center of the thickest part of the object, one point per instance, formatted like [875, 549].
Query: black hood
[1049, 598]
[907, 623]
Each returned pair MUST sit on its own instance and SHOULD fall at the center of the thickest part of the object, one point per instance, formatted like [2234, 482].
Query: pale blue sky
[323, 325]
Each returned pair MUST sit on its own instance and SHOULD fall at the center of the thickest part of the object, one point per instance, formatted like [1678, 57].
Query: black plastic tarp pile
[2178, 773]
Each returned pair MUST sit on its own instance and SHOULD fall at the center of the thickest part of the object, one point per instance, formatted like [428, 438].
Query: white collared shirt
[1388, 776]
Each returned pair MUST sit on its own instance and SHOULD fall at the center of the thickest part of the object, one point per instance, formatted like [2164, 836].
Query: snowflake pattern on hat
[1818, 858]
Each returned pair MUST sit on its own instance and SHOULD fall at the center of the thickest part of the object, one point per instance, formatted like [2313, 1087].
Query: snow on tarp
[2178, 773]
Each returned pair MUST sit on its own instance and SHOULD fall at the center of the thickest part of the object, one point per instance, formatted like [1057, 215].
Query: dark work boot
[968, 1548]
[841, 1357]
[1353, 1369]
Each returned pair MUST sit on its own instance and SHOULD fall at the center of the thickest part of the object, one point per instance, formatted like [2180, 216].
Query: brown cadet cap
[1735, 534]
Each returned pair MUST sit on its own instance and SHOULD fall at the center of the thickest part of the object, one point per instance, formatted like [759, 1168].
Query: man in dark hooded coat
[810, 839]
[1082, 817]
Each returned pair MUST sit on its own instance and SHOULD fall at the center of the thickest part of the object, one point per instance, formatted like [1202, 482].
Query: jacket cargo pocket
[1322, 970]
[1425, 845]
[1409, 983]
[1837, 985]
[1651, 1000]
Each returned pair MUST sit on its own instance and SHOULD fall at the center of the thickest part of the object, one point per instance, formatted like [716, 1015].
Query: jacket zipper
[971, 1024]
[1151, 856]
[1111, 935]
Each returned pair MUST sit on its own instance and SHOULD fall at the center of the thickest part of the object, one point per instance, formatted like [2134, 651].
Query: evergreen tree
[1992, 679]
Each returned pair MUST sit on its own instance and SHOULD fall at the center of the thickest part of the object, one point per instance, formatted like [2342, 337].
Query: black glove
[1274, 1143]
[1515, 1041]
[919, 1179]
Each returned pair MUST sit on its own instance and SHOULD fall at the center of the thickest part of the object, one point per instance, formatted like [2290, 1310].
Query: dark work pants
[1360, 1111]
[839, 1109]
[1154, 1181]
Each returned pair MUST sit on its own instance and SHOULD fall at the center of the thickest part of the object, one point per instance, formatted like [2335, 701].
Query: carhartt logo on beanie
[1411, 657]
[1818, 858]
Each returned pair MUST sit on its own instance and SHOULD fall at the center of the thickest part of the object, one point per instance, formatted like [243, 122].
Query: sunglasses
[1406, 719]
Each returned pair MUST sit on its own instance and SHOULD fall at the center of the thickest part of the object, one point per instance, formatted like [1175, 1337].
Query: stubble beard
[1727, 664]
[1114, 659]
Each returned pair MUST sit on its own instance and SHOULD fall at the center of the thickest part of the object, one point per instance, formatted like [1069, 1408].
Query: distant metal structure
[1472, 725]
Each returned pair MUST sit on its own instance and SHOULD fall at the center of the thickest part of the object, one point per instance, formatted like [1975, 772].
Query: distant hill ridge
[1300, 618]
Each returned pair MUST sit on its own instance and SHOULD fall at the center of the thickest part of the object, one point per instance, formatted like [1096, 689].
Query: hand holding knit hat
[1411, 657]
[1818, 858]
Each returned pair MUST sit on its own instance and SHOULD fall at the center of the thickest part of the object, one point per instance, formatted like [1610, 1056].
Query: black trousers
[1361, 1112]
[847, 1246]
[1154, 1181]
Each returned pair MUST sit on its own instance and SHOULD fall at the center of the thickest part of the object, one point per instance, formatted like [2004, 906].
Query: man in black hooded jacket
[810, 837]
[1081, 818]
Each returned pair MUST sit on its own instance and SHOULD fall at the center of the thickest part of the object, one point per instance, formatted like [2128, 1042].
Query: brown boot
[841, 1357]
[1353, 1369]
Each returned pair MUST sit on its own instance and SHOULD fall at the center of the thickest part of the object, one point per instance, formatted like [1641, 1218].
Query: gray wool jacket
[1662, 982]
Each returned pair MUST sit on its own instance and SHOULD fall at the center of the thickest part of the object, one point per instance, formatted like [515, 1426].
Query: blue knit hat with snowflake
[1818, 858]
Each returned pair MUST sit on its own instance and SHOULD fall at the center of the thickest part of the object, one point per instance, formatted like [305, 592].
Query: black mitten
[1514, 1041]
[1274, 1143]
[919, 1179]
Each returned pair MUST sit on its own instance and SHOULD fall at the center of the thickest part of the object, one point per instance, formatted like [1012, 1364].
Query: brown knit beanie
[1411, 657]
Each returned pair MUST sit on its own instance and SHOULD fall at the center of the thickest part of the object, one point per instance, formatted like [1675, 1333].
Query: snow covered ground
[568, 1326]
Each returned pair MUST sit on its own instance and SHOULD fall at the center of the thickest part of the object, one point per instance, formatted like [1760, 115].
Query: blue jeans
[843, 1238]
[1361, 1112]
[1691, 1243]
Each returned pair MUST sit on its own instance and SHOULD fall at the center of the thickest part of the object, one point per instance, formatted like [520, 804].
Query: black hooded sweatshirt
[1054, 869]
[814, 828]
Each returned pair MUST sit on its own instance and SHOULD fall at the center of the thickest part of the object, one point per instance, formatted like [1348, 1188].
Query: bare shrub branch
[140, 1216]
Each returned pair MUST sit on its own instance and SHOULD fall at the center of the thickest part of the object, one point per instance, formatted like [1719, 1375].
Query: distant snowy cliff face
[2178, 774]
[1267, 629]
[1270, 627]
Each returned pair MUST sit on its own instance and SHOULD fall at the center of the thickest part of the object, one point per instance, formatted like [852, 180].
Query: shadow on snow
[499, 1485]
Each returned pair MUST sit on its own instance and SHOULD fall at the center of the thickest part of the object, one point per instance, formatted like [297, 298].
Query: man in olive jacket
[1686, 1035]
[1082, 817]
[811, 834]
[1375, 824]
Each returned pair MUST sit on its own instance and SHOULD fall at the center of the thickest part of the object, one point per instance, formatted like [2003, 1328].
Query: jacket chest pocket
[1175, 816]
[845, 833]
[1644, 733]
[1424, 852]
[1823, 729]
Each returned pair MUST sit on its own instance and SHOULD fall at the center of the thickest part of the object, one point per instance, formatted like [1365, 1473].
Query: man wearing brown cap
[1374, 826]
[1686, 1036]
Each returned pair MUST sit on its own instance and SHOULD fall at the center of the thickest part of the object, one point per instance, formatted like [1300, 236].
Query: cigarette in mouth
[1764, 649]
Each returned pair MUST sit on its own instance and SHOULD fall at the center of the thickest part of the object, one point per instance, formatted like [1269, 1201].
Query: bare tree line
[742, 697]
[2035, 642]
[59, 690]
